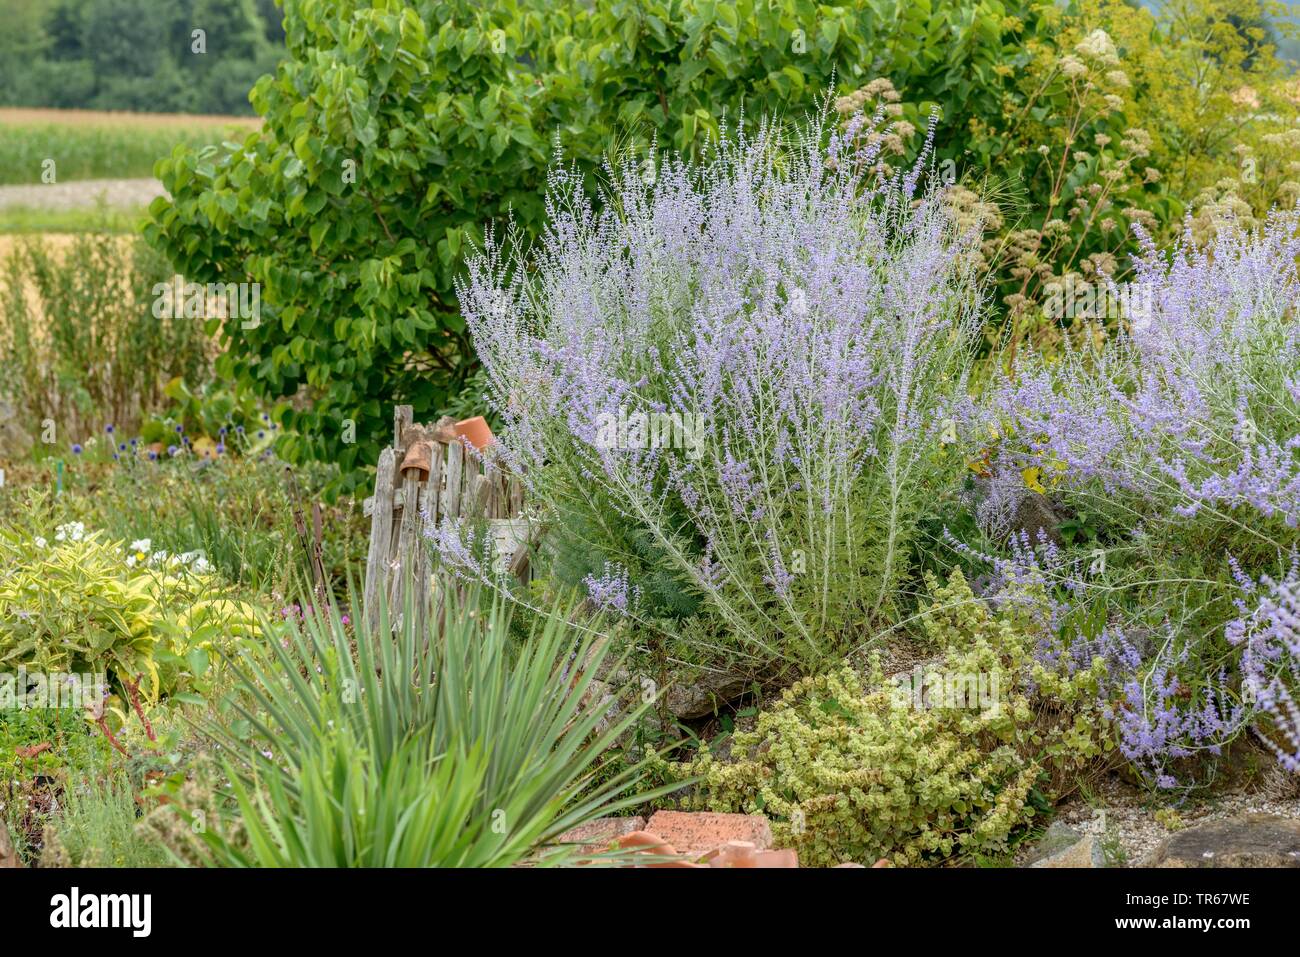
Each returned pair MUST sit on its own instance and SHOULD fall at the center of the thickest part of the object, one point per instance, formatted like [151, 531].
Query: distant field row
[83, 144]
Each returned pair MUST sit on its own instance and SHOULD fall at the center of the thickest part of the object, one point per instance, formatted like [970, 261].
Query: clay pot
[419, 456]
[475, 431]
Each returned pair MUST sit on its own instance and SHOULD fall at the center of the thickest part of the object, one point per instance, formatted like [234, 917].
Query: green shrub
[400, 130]
[850, 769]
[83, 604]
[97, 828]
[236, 511]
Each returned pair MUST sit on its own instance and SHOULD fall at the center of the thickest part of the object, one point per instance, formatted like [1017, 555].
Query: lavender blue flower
[806, 323]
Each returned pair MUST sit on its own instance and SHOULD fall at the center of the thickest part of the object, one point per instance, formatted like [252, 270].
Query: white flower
[799, 303]
[157, 558]
[141, 545]
[1072, 66]
[70, 532]
[201, 565]
[40, 542]
[1097, 44]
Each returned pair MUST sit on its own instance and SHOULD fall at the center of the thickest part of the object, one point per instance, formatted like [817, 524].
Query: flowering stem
[131, 689]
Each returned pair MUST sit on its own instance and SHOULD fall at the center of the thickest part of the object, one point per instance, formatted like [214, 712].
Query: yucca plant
[455, 746]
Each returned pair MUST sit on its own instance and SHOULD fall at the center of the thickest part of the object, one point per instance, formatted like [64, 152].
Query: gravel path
[1125, 819]
[116, 193]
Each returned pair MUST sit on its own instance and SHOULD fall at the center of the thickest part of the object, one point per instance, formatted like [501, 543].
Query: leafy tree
[395, 132]
[136, 54]
[22, 40]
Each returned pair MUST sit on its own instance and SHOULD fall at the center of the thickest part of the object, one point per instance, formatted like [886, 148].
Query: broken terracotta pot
[745, 854]
[475, 431]
[652, 845]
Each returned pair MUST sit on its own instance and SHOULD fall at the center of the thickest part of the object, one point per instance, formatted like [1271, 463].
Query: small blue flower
[221, 448]
[153, 456]
[261, 434]
[76, 448]
[121, 446]
[239, 429]
[180, 429]
[221, 431]
[171, 450]
[133, 443]
[108, 429]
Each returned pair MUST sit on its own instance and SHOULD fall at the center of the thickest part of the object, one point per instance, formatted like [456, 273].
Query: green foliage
[211, 411]
[237, 511]
[458, 748]
[97, 828]
[137, 54]
[395, 133]
[857, 770]
[82, 604]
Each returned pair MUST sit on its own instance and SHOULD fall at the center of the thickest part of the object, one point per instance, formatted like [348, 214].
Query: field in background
[85, 144]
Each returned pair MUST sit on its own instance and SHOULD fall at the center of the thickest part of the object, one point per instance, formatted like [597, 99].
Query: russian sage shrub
[1187, 424]
[729, 382]
[1181, 438]
[1268, 632]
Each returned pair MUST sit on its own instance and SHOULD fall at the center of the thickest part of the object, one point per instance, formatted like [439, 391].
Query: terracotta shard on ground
[697, 833]
[597, 835]
[744, 854]
[648, 845]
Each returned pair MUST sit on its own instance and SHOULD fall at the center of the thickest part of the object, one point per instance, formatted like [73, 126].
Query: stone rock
[703, 696]
[696, 834]
[1063, 846]
[1035, 513]
[597, 835]
[1247, 840]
